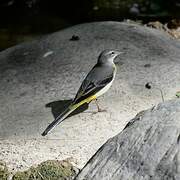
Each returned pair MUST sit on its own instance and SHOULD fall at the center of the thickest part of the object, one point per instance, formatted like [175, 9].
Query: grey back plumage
[100, 75]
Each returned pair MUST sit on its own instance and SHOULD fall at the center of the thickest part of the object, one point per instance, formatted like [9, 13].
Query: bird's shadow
[57, 107]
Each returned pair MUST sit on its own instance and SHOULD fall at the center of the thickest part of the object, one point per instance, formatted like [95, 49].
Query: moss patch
[4, 173]
[178, 94]
[61, 170]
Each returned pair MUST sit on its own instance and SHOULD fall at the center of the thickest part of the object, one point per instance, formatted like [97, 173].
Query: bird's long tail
[64, 114]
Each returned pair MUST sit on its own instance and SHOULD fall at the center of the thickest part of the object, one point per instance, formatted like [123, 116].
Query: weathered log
[148, 148]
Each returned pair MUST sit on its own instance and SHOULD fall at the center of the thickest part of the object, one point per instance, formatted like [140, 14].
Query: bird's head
[108, 56]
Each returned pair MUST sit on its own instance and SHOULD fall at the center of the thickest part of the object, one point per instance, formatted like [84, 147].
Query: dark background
[22, 20]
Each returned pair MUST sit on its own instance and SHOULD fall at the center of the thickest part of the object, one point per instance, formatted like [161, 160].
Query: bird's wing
[97, 78]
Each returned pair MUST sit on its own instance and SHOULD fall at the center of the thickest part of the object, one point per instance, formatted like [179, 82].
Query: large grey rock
[51, 69]
[148, 148]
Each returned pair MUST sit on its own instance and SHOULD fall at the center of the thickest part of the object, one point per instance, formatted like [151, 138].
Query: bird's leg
[98, 107]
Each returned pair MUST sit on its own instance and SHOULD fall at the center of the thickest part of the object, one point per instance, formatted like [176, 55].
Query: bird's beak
[118, 53]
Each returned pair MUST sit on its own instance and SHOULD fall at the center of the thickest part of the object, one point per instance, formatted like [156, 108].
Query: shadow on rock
[57, 107]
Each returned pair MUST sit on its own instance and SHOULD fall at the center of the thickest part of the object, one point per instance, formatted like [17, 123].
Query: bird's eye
[112, 52]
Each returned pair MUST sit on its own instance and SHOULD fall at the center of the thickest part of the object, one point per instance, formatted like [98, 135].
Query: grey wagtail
[96, 83]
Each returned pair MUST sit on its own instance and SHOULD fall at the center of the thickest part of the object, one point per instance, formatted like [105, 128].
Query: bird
[95, 84]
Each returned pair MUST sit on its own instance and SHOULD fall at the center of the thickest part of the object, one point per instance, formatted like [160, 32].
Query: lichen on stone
[51, 169]
[4, 173]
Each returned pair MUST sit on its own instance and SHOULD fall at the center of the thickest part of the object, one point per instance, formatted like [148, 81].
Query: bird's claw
[99, 110]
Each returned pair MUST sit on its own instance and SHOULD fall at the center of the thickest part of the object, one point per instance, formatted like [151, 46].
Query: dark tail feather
[58, 120]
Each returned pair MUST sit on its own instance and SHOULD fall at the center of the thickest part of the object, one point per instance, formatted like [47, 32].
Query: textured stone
[148, 148]
[48, 72]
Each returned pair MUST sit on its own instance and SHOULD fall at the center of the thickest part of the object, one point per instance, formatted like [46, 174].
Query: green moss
[54, 170]
[178, 94]
[21, 175]
[4, 173]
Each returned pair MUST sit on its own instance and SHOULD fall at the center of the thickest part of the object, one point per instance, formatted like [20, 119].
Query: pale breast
[106, 88]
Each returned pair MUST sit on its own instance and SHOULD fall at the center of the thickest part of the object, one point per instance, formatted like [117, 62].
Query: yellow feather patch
[87, 100]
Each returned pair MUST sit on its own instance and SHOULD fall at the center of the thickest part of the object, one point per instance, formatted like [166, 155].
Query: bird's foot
[99, 110]
[102, 110]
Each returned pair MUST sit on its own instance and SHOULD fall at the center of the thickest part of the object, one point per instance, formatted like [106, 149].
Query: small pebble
[147, 65]
[148, 85]
[74, 38]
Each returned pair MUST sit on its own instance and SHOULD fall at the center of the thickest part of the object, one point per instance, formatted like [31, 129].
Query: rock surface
[49, 71]
[148, 148]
